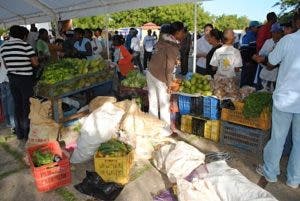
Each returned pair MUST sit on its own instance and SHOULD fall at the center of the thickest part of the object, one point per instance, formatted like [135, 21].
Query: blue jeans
[281, 122]
[7, 104]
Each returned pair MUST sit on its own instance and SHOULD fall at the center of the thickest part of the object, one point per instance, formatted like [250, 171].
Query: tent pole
[195, 37]
[107, 39]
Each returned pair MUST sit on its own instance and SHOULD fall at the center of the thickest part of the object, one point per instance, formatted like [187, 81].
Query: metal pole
[195, 37]
[107, 40]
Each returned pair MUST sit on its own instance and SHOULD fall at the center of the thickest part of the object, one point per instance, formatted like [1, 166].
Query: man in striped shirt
[19, 59]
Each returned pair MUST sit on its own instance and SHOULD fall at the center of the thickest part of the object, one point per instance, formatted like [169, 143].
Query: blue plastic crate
[244, 138]
[184, 103]
[211, 108]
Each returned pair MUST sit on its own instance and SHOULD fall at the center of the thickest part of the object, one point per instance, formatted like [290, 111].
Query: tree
[231, 21]
[286, 6]
[159, 15]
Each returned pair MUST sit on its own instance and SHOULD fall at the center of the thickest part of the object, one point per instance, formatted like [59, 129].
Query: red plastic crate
[54, 175]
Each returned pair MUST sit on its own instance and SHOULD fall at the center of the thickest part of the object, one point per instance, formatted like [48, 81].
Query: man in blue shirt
[248, 49]
[250, 36]
[128, 40]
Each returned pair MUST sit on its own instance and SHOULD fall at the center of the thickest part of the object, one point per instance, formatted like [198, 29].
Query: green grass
[17, 155]
[5, 174]
[65, 194]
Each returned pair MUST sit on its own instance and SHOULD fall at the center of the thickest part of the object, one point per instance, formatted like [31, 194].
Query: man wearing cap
[250, 36]
[268, 77]
[263, 34]
[248, 49]
[286, 109]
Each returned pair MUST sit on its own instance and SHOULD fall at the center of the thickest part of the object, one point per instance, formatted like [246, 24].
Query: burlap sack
[99, 101]
[42, 133]
[42, 127]
[140, 123]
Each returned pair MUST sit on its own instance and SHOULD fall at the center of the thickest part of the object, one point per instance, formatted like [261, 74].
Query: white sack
[179, 161]
[98, 127]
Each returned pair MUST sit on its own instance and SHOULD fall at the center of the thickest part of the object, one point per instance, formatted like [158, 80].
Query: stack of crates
[246, 134]
[200, 116]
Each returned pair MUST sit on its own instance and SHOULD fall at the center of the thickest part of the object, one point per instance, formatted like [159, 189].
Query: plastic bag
[98, 127]
[94, 185]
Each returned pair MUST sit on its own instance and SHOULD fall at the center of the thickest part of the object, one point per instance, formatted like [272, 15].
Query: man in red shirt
[264, 32]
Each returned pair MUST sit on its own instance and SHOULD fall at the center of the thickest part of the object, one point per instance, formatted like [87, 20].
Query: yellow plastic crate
[236, 116]
[209, 129]
[114, 169]
[186, 123]
[212, 130]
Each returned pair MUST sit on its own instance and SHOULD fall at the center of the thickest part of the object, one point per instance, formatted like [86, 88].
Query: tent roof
[150, 25]
[34, 11]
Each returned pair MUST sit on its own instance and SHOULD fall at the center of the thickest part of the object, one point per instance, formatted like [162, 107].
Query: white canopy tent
[35, 11]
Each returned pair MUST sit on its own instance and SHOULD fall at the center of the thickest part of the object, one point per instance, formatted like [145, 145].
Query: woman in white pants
[160, 74]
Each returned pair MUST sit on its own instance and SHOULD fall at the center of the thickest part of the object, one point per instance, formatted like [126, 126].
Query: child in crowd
[227, 60]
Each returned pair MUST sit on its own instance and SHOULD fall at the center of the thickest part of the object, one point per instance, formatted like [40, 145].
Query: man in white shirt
[268, 77]
[135, 46]
[203, 47]
[148, 43]
[33, 36]
[286, 109]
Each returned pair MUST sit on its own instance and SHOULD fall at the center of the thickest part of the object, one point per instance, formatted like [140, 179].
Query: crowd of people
[267, 58]
[25, 52]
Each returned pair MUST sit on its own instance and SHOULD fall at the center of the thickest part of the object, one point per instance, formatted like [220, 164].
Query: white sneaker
[259, 170]
[294, 186]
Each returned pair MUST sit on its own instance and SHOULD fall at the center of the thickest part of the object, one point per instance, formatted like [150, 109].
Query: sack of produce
[226, 88]
[99, 101]
[42, 127]
[99, 127]
[39, 110]
[42, 132]
[178, 160]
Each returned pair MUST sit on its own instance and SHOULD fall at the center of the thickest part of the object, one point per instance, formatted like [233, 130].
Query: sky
[253, 9]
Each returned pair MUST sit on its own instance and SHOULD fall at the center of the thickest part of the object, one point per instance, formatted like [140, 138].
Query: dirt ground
[17, 184]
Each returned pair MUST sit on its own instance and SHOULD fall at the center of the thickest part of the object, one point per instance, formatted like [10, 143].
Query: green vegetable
[114, 148]
[42, 158]
[66, 69]
[255, 103]
[134, 79]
